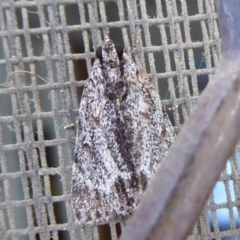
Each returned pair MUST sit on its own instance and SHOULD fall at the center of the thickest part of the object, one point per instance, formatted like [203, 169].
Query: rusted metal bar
[177, 195]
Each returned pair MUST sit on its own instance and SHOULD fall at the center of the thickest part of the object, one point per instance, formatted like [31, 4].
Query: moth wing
[97, 154]
[149, 129]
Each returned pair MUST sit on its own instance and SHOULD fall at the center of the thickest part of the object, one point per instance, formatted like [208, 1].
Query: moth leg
[71, 125]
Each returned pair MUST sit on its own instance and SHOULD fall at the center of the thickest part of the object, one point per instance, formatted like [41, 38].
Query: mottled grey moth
[123, 134]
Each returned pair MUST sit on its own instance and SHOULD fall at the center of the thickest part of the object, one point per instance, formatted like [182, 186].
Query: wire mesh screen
[46, 52]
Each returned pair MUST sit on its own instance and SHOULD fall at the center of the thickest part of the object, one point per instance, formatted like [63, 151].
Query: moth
[122, 137]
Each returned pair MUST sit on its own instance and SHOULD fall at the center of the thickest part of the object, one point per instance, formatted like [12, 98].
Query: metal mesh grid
[45, 47]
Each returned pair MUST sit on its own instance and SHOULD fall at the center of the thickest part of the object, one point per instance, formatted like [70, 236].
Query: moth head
[109, 53]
